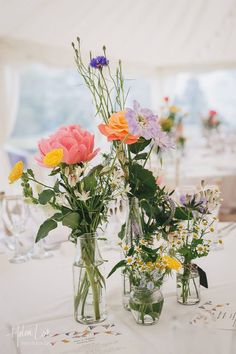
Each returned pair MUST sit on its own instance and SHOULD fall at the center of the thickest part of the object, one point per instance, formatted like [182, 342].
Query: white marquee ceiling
[160, 34]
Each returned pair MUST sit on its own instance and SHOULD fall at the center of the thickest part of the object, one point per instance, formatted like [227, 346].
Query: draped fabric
[9, 98]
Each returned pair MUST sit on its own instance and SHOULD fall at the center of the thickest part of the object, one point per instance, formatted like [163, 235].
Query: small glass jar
[188, 285]
[146, 305]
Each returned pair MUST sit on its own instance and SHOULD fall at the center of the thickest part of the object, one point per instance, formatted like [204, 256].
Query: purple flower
[182, 199]
[99, 62]
[163, 141]
[142, 121]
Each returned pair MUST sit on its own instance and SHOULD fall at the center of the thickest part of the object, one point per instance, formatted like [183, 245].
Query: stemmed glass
[38, 215]
[15, 213]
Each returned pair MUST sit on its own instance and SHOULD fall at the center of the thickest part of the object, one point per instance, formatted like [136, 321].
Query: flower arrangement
[172, 122]
[79, 194]
[192, 238]
[212, 121]
[146, 266]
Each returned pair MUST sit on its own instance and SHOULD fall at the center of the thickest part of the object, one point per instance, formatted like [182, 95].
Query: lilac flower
[142, 121]
[162, 140]
[99, 62]
[182, 199]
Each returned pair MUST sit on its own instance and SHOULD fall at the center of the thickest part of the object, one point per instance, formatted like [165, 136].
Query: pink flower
[159, 180]
[166, 99]
[212, 113]
[77, 145]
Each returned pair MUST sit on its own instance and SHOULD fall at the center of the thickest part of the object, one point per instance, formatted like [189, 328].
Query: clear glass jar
[133, 231]
[89, 282]
[188, 285]
[146, 305]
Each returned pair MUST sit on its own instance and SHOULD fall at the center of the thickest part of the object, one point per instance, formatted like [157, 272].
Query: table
[42, 290]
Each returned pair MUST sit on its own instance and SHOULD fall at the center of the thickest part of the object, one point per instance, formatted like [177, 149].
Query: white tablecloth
[42, 290]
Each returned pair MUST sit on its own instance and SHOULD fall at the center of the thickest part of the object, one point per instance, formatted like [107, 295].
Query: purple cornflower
[142, 121]
[99, 62]
[182, 199]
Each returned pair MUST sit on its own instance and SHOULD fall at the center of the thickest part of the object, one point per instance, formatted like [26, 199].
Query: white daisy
[129, 260]
[200, 249]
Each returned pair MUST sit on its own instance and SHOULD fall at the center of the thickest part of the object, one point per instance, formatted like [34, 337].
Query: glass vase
[146, 305]
[89, 282]
[133, 232]
[188, 285]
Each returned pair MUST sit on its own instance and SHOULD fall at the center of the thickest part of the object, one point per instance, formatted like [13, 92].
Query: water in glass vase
[89, 282]
[188, 285]
[133, 231]
[146, 305]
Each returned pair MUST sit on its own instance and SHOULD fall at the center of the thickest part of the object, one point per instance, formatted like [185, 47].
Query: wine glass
[38, 215]
[14, 214]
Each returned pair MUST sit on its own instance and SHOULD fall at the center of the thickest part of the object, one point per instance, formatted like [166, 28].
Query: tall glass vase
[89, 282]
[133, 232]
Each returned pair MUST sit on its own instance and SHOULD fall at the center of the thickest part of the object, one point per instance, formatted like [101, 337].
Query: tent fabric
[160, 34]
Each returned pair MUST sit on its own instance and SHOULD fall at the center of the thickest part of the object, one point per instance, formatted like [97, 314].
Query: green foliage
[47, 226]
[117, 266]
[45, 196]
[139, 146]
[142, 182]
[71, 220]
[142, 156]
[121, 234]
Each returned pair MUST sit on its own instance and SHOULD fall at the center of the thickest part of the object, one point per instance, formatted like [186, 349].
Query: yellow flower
[150, 265]
[53, 158]
[166, 124]
[220, 242]
[172, 263]
[212, 229]
[139, 262]
[174, 109]
[205, 222]
[16, 172]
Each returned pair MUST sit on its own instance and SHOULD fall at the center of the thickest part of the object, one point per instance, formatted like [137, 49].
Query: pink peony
[77, 145]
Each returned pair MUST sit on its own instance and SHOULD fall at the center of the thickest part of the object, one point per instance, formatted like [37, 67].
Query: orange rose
[117, 129]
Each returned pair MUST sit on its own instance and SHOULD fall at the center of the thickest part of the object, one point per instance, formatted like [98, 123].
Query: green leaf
[65, 210]
[57, 217]
[56, 186]
[121, 234]
[117, 266]
[182, 213]
[142, 182]
[71, 220]
[54, 172]
[45, 228]
[131, 251]
[139, 146]
[30, 172]
[95, 170]
[90, 183]
[142, 156]
[46, 196]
